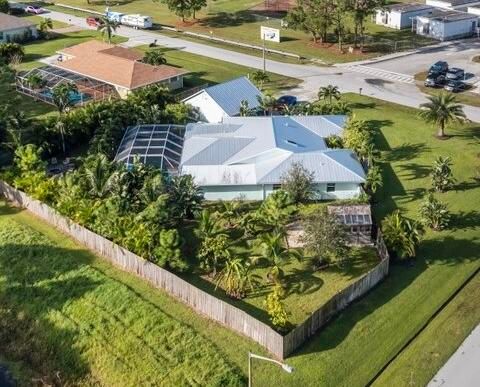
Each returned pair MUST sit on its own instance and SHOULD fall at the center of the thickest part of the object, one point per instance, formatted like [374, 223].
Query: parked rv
[135, 20]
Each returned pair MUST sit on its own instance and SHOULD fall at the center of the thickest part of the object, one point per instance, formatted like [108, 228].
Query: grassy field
[350, 351]
[239, 21]
[466, 97]
[206, 70]
[421, 360]
[37, 19]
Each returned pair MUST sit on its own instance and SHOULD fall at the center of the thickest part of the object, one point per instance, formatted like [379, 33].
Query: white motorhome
[137, 21]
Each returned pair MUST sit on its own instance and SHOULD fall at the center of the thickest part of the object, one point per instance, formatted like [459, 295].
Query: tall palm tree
[260, 78]
[273, 250]
[442, 110]
[154, 58]
[329, 92]
[62, 96]
[108, 27]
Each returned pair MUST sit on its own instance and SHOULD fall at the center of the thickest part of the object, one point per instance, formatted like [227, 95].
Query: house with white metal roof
[248, 156]
[401, 15]
[443, 24]
[459, 5]
[223, 100]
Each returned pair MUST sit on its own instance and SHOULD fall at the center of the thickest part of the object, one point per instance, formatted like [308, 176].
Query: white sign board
[270, 34]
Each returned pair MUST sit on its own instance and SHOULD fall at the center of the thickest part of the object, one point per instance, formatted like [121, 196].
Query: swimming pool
[74, 96]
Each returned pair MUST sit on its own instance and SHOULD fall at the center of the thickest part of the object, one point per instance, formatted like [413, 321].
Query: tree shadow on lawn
[413, 171]
[406, 151]
[465, 220]
[34, 288]
[236, 19]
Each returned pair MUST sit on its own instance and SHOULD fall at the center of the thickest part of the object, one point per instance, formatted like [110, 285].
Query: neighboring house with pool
[99, 70]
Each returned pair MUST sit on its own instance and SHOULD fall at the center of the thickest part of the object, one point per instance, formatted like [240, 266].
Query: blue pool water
[74, 96]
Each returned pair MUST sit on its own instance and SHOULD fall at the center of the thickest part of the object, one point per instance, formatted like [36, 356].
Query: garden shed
[358, 221]
[447, 25]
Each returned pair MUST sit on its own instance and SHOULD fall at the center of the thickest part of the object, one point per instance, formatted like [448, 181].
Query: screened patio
[50, 77]
[158, 145]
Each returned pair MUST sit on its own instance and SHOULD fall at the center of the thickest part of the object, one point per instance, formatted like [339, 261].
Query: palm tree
[442, 110]
[266, 103]
[62, 96]
[108, 27]
[154, 58]
[99, 176]
[374, 179]
[45, 25]
[244, 108]
[260, 77]
[208, 225]
[329, 92]
[274, 251]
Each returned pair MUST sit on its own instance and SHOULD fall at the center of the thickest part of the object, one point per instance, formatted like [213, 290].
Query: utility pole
[264, 60]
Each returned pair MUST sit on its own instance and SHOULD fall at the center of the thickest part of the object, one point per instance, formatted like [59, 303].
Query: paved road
[463, 368]
[385, 82]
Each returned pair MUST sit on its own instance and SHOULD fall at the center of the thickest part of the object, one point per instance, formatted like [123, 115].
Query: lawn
[349, 351]
[207, 70]
[239, 21]
[37, 19]
[466, 97]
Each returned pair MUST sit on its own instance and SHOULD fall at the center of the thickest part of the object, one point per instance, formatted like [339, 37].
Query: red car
[94, 21]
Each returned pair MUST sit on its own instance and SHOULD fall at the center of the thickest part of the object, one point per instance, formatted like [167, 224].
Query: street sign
[270, 34]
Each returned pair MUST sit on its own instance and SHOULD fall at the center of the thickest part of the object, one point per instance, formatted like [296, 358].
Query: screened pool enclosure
[40, 82]
[158, 145]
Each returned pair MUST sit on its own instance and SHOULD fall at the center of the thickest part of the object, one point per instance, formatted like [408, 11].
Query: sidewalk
[463, 368]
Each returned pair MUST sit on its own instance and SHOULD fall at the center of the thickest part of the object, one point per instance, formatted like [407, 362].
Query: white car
[34, 9]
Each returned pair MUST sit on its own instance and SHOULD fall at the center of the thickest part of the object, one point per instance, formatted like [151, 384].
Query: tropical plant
[213, 252]
[230, 212]
[4, 6]
[168, 253]
[434, 213]
[100, 176]
[35, 81]
[324, 238]
[274, 252]
[208, 225]
[45, 25]
[108, 27]
[402, 235]
[442, 176]
[10, 51]
[266, 103]
[298, 183]
[62, 96]
[154, 58]
[374, 179]
[275, 212]
[235, 278]
[186, 197]
[245, 110]
[276, 308]
[139, 239]
[334, 142]
[329, 93]
[260, 77]
[358, 137]
[441, 111]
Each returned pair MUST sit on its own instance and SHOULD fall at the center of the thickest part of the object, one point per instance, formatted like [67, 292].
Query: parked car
[94, 21]
[34, 9]
[434, 80]
[288, 100]
[440, 67]
[455, 86]
[455, 74]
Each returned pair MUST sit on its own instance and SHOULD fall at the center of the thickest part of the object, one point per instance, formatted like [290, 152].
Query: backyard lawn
[241, 21]
[71, 294]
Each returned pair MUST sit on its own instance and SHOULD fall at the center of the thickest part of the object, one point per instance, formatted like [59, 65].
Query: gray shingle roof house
[14, 28]
[224, 100]
[247, 156]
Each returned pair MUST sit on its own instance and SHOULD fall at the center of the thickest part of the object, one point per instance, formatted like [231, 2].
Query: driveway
[463, 368]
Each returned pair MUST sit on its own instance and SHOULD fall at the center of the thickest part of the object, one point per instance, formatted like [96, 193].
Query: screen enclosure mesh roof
[157, 145]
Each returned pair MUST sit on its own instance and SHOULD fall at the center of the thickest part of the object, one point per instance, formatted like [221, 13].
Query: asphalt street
[389, 80]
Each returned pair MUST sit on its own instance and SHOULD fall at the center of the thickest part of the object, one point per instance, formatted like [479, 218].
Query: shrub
[298, 182]
[213, 251]
[168, 253]
[324, 237]
[402, 235]
[442, 177]
[276, 309]
[435, 214]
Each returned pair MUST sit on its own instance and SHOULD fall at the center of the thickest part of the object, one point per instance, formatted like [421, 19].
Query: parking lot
[457, 55]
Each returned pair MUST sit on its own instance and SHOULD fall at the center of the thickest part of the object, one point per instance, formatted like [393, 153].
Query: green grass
[37, 19]
[207, 70]
[350, 350]
[421, 360]
[236, 20]
[465, 97]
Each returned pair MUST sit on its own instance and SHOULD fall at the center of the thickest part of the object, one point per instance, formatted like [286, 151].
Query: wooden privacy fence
[200, 301]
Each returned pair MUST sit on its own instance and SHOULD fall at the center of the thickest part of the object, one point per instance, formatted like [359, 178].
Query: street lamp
[251, 356]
